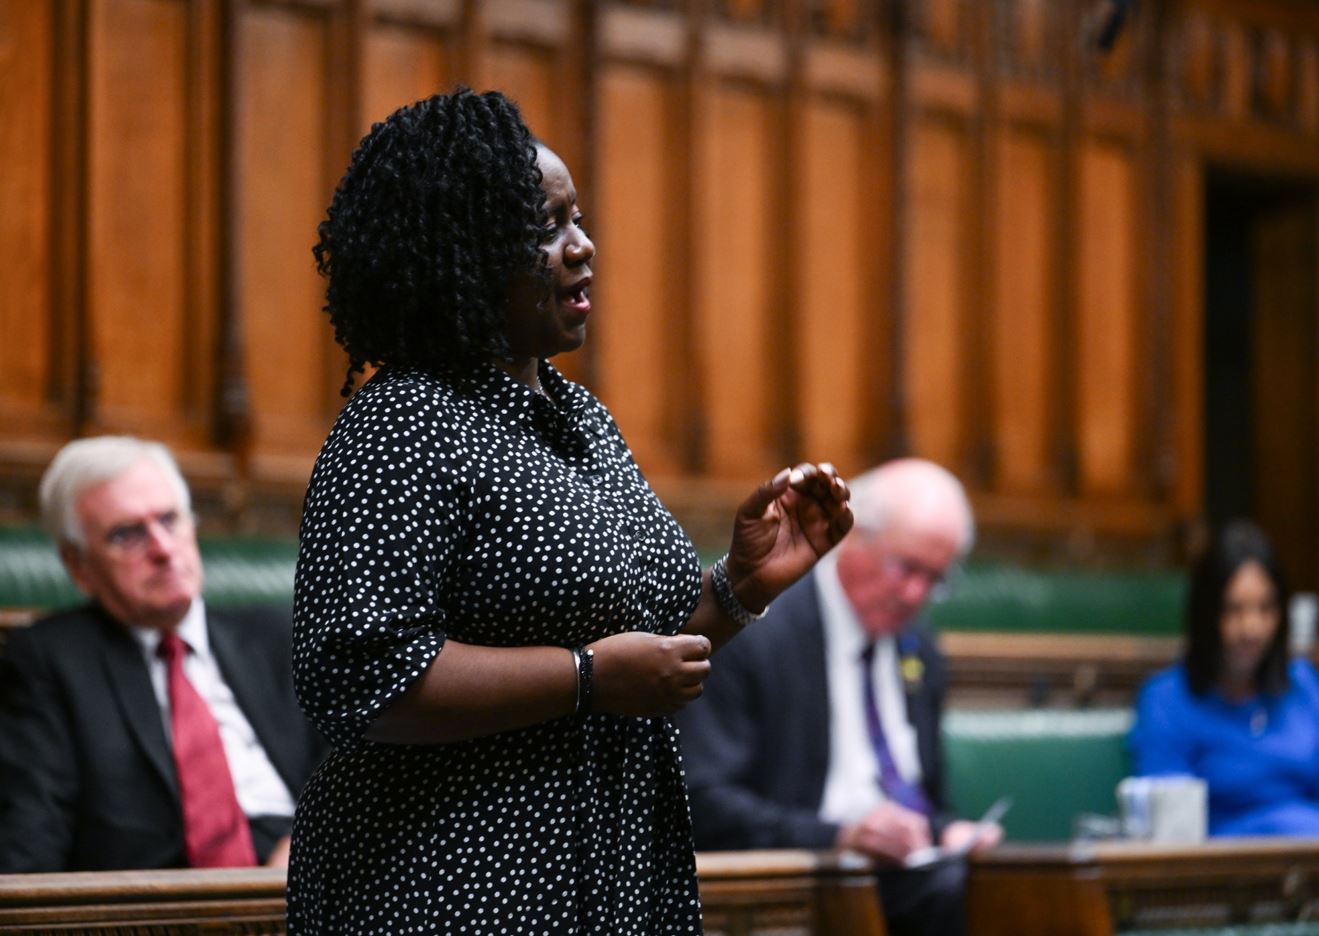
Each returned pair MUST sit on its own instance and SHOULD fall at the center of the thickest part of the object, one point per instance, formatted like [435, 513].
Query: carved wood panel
[736, 278]
[994, 221]
[291, 366]
[937, 230]
[1024, 310]
[147, 337]
[35, 378]
[1107, 313]
[643, 274]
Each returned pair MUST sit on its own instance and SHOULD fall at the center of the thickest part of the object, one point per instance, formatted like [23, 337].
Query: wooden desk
[1102, 888]
[788, 893]
[744, 893]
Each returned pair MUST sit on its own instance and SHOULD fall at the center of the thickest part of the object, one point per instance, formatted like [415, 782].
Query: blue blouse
[1260, 758]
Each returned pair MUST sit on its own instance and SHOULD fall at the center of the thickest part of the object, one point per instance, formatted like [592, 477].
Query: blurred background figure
[819, 726]
[143, 730]
[1237, 711]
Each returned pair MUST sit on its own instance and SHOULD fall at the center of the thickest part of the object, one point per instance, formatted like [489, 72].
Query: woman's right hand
[642, 674]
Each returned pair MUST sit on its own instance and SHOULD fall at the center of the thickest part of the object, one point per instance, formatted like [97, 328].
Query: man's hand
[279, 855]
[986, 835]
[888, 833]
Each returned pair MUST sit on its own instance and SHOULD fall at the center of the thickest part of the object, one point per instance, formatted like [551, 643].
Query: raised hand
[783, 528]
[637, 673]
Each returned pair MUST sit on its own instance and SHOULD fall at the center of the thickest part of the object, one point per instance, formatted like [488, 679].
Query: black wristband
[585, 669]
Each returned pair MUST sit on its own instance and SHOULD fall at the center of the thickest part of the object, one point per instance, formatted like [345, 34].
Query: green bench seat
[1005, 597]
[239, 571]
[1056, 764]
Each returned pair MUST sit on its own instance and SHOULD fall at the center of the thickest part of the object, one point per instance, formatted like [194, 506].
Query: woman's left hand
[783, 528]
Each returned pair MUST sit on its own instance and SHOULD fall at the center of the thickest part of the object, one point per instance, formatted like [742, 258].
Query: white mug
[1163, 809]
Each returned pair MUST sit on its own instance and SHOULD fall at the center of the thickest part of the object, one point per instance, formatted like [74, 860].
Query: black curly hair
[440, 209]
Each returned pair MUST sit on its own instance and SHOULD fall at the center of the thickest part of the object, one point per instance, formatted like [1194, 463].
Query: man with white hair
[819, 726]
[144, 730]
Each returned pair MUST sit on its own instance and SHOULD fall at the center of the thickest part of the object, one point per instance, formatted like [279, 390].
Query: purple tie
[890, 781]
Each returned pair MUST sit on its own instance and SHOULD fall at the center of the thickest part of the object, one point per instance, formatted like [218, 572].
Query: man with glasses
[144, 730]
[819, 725]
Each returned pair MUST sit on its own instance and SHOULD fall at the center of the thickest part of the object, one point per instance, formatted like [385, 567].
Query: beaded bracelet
[723, 592]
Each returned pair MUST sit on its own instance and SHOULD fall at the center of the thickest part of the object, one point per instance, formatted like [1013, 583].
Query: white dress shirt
[851, 787]
[260, 790]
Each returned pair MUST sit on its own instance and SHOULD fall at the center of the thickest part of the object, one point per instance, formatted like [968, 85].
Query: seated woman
[1237, 712]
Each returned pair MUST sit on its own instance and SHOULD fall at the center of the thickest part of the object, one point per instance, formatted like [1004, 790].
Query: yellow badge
[912, 670]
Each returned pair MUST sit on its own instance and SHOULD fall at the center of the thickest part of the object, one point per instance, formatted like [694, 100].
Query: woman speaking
[494, 613]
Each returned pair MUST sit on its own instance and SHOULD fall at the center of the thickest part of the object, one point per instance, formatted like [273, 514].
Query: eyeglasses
[132, 539]
[940, 585]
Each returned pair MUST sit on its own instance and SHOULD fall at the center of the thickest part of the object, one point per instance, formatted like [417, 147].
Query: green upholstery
[1054, 763]
[239, 570]
[992, 596]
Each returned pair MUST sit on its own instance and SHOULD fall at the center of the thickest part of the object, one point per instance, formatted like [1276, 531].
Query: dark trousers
[927, 901]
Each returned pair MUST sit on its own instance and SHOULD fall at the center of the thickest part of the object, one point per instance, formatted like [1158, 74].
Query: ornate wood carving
[1259, 68]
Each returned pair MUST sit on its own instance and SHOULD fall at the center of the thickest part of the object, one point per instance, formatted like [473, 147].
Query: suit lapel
[131, 685]
[250, 690]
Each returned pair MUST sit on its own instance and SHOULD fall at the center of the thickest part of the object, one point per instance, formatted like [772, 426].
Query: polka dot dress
[478, 509]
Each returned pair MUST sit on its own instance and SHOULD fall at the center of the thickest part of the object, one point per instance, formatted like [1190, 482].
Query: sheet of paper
[922, 857]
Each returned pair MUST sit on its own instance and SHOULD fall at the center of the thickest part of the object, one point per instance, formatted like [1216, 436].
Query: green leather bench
[1010, 598]
[1056, 764]
[239, 571]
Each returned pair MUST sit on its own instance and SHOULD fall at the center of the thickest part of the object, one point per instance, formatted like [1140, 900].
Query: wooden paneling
[828, 230]
[639, 294]
[137, 214]
[1027, 260]
[736, 299]
[1106, 309]
[526, 55]
[28, 353]
[401, 64]
[937, 223]
[837, 228]
[283, 190]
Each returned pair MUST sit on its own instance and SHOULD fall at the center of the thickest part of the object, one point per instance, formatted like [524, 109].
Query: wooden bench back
[745, 893]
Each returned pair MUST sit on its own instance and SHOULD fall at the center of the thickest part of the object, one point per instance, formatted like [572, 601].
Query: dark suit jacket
[87, 781]
[756, 744]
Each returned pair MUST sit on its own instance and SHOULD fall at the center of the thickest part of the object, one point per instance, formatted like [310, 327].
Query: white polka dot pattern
[479, 509]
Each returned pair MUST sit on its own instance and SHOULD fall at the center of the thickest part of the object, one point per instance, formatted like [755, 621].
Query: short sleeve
[384, 513]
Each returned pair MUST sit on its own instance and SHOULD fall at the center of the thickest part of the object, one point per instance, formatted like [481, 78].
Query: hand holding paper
[962, 838]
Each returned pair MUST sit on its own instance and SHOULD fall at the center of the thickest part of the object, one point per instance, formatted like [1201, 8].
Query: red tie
[215, 831]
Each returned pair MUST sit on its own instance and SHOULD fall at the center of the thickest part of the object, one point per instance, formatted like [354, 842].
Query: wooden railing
[788, 893]
[1067, 670]
[216, 902]
[1105, 888]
